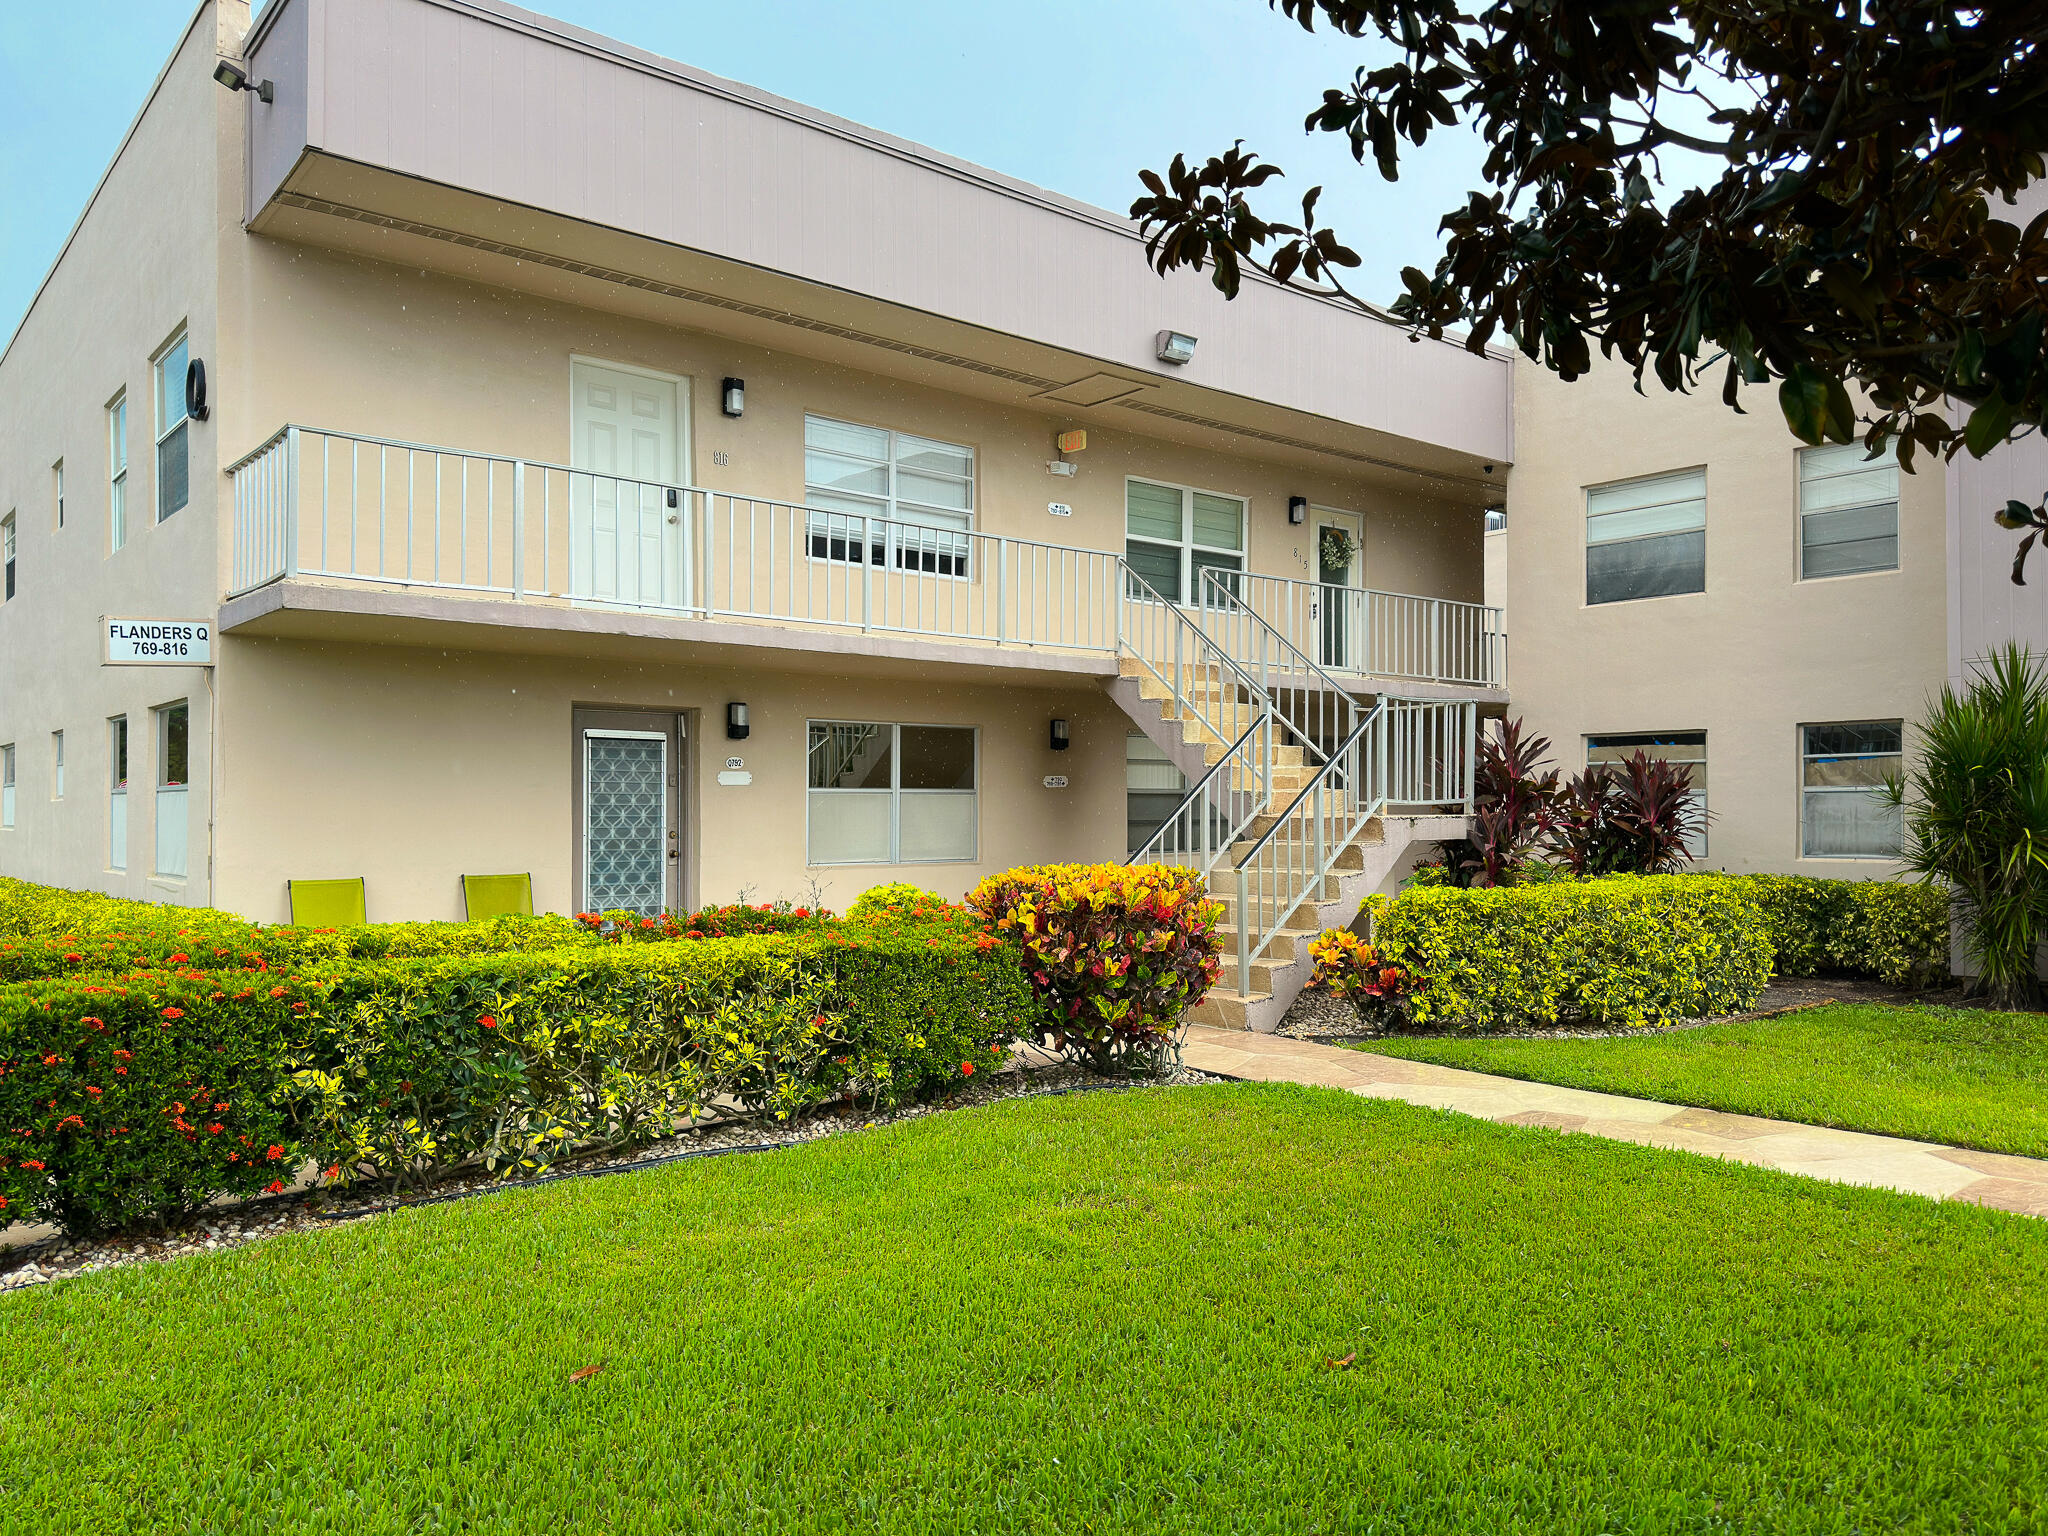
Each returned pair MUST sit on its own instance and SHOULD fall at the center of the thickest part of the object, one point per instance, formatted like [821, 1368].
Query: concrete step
[1286, 945]
[1351, 856]
[1227, 1009]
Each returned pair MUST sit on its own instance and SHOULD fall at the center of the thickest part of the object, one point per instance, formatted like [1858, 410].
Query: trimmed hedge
[1626, 950]
[132, 1096]
[1890, 930]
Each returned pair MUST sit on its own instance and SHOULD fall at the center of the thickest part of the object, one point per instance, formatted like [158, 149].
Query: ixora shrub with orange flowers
[134, 1089]
[1119, 952]
[123, 1105]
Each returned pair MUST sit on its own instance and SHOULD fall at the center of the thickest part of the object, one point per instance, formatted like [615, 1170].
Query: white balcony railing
[1383, 634]
[333, 506]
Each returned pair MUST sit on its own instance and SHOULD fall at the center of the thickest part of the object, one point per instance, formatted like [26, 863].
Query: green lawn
[1104, 1313]
[1956, 1075]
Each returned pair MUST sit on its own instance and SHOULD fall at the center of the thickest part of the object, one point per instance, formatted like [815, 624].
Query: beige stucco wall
[137, 267]
[361, 346]
[1750, 659]
[412, 767]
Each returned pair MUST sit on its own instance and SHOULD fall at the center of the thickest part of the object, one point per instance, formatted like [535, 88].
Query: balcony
[492, 539]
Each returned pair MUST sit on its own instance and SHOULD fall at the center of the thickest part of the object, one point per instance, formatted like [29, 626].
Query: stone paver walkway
[1847, 1157]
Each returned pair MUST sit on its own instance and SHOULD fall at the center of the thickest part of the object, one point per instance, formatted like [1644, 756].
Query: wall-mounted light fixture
[236, 78]
[736, 727]
[732, 397]
[195, 390]
[1297, 509]
[1059, 736]
[1176, 347]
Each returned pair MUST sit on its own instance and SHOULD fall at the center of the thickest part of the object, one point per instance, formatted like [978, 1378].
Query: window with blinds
[1173, 533]
[1848, 510]
[1647, 538]
[1843, 813]
[888, 498]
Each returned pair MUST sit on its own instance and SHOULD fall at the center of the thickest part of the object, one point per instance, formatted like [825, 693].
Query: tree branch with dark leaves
[1860, 237]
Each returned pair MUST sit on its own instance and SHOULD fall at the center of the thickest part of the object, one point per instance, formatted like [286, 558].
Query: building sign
[159, 643]
[1055, 781]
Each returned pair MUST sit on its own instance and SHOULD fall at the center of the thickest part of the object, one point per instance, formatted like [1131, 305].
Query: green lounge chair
[497, 896]
[327, 903]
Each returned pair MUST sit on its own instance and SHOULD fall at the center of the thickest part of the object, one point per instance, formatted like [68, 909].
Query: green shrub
[898, 896]
[734, 920]
[400, 1069]
[1627, 950]
[127, 1104]
[1117, 951]
[1893, 931]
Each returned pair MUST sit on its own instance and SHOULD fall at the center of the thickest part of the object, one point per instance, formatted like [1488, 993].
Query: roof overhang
[471, 136]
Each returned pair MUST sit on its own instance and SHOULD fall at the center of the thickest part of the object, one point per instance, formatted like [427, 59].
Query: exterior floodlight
[236, 78]
[1175, 347]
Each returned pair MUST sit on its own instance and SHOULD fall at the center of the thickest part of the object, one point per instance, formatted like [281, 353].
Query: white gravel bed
[231, 1226]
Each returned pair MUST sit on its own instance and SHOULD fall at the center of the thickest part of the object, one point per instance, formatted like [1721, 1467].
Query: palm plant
[1976, 816]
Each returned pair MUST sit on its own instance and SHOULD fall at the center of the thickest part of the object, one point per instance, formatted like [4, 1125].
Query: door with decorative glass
[629, 832]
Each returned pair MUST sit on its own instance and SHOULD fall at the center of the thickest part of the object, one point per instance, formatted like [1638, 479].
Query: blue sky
[1075, 95]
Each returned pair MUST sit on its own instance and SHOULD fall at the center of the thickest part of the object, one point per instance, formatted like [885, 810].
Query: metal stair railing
[1412, 752]
[1218, 808]
[1167, 641]
[1291, 859]
[1320, 711]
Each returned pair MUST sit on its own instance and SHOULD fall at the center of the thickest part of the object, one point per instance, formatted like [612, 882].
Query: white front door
[629, 457]
[1342, 609]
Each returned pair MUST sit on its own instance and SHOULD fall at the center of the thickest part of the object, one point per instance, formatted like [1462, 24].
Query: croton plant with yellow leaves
[1349, 966]
[1119, 952]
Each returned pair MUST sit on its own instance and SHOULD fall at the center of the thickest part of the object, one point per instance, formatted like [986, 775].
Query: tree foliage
[1860, 232]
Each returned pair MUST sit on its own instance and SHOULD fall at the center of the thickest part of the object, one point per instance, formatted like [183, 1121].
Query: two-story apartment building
[589, 467]
[1687, 580]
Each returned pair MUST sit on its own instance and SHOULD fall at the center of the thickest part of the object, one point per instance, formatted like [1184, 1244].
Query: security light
[236, 78]
[1176, 347]
[1297, 509]
[733, 401]
[1059, 736]
[736, 727]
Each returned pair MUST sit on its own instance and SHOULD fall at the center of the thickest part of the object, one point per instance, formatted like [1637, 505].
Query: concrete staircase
[1364, 867]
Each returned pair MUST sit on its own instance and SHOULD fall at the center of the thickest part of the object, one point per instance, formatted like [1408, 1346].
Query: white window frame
[7, 787]
[9, 531]
[1806, 755]
[896, 792]
[117, 790]
[1801, 480]
[1587, 545]
[117, 470]
[1697, 844]
[166, 429]
[56, 765]
[57, 484]
[829, 535]
[1189, 546]
[173, 796]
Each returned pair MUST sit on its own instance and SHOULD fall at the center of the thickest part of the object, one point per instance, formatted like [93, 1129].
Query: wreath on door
[1338, 548]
